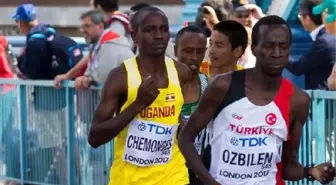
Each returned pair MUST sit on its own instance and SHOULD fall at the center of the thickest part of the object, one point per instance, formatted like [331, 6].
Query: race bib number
[149, 143]
[247, 157]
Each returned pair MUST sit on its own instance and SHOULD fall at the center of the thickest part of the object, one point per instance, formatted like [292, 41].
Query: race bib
[149, 143]
[245, 157]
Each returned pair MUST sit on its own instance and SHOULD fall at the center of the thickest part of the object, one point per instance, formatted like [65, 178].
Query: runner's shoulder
[300, 97]
[299, 105]
[117, 79]
[221, 82]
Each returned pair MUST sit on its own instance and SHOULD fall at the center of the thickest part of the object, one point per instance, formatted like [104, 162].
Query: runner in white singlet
[256, 118]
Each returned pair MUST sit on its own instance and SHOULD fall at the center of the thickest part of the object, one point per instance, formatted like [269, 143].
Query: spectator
[119, 22]
[228, 42]
[94, 28]
[36, 63]
[5, 69]
[31, 64]
[7, 113]
[317, 64]
[79, 69]
[246, 12]
[102, 60]
[53, 49]
[211, 12]
[248, 60]
[136, 8]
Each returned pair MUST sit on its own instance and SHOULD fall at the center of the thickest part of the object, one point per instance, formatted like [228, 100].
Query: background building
[64, 14]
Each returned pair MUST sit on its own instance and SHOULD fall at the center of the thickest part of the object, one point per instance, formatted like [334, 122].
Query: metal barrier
[43, 134]
[318, 136]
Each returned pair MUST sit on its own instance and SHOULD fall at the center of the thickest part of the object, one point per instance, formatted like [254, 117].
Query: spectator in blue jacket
[48, 104]
[317, 64]
[32, 63]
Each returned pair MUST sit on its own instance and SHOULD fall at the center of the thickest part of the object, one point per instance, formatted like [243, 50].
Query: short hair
[307, 6]
[96, 16]
[189, 29]
[107, 5]
[234, 31]
[138, 16]
[268, 20]
[138, 6]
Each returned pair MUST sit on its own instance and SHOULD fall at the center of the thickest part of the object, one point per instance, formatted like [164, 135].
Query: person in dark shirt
[317, 64]
[48, 103]
[32, 63]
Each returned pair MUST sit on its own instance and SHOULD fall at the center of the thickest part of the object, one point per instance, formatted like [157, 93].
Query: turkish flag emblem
[271, 119]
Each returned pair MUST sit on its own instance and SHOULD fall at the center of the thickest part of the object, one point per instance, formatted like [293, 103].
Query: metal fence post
[23, 132]
[319, 119]
[70, 114]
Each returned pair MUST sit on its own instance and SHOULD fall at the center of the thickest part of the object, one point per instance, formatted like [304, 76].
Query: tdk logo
[249, 142]
[142, 126]
[159, 129]
[237, 116]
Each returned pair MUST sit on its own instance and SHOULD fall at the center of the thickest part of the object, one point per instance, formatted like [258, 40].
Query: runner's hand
[324, 173]
[59, 79]
[147, 92]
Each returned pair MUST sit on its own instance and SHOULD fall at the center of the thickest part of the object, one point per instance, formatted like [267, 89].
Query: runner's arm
[105, 126]
[182, 122]
[292, 169]
[183, 72]
[207, 108]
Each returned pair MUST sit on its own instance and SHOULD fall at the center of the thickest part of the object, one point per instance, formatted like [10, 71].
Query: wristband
[306, 172]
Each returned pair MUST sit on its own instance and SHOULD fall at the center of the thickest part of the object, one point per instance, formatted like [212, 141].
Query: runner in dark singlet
[190, 50]
[257, 119]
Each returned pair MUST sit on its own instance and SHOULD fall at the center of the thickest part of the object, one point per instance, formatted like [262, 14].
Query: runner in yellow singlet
[146, 94]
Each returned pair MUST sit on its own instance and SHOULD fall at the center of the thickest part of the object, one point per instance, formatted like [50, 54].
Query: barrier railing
[43, 134]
